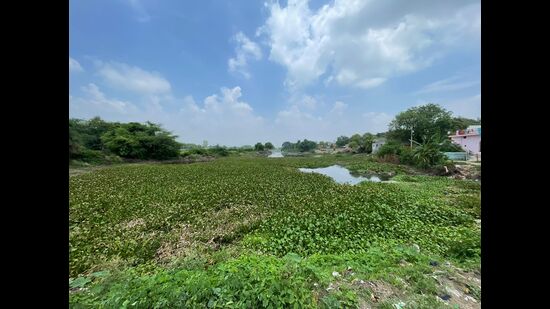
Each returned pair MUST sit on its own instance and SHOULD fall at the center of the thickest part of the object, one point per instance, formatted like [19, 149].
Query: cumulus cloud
[222, 118]
[364, 43]
[245, 50]
[132, 78]
[96, 102]
[74, 66]
[225, 118]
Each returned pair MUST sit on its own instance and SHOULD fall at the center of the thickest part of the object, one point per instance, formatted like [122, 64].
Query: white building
[377, 143]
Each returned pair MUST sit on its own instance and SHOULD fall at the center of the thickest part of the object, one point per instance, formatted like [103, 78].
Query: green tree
[75, 143]
[306, 145]
[342, 141]
[368, 139]
[269, 146]
[426, 121]
[461, 123]
[141, 141]
[259, 147]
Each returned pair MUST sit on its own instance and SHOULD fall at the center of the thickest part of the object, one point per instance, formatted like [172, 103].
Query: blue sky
[238, 72]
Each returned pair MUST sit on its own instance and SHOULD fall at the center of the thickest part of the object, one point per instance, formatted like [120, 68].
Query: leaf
[79, 282]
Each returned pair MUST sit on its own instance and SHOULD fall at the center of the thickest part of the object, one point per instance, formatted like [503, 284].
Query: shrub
[428, 155]
[390, 148]
[90, 156]
[406, 156]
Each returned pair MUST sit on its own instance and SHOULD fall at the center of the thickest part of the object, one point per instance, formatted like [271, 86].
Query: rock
[399, 305]
[445, 296]
[434, 263]
[416, 247]
[335, 274]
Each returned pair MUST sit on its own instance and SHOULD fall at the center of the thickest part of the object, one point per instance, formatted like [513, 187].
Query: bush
[90, 156]
[428, 155]
[390, 148]
[218, 150]
[406, 156]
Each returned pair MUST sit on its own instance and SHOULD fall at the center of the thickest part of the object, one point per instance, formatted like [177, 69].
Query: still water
[340, 174]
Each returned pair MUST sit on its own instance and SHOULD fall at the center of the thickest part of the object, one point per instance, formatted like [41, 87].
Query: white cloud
[74, 66]
[449, 84]
[338, 108]
[223, 119]
[94, 101]
[245, 50]
[364, 43]
[370, 82]
[307, 102]
[132, 78]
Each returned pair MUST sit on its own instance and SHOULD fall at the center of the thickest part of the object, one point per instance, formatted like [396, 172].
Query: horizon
[237, 73]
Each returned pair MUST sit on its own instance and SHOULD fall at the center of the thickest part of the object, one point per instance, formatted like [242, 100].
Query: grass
[242, 232]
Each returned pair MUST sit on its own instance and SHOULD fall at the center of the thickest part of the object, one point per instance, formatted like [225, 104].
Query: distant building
[469, 139]
[377, 143]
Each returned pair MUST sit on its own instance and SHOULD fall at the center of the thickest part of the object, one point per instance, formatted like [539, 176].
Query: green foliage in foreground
[266, 212]
[259, 281]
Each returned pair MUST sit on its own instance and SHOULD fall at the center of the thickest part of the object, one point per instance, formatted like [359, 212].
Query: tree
[306, 145]
[368, 139]
[425, 121]
[269, 146]
[287, 146]
[259, 147]
[461, 123]
[75, 143]
[342, 141]
[361, 143]
[141, 141]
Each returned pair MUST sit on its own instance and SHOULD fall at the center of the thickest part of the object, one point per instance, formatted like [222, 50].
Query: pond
[342, 175]
[275, 154]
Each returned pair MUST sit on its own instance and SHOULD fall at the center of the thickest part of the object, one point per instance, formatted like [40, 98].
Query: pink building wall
[468, 142]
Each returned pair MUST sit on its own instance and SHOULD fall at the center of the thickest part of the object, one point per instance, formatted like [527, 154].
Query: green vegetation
[255, 232]
[299, 146]
[426, 121]
[97, 141]
[342, 141]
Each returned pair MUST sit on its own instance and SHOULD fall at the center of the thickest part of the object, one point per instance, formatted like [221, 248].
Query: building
[377, 143]
[469, 139]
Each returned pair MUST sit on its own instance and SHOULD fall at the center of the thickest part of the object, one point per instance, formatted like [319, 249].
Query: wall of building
[468, 143]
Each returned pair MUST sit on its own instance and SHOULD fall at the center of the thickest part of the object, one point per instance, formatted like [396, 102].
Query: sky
[239, 72]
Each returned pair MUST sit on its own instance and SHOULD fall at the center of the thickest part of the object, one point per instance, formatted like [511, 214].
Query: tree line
[95, 139]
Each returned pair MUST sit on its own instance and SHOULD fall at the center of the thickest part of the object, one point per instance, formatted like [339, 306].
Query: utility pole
[412, 138]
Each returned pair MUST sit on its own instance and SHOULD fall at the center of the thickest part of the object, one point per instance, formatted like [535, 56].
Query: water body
[341, 174]
[275, 154]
